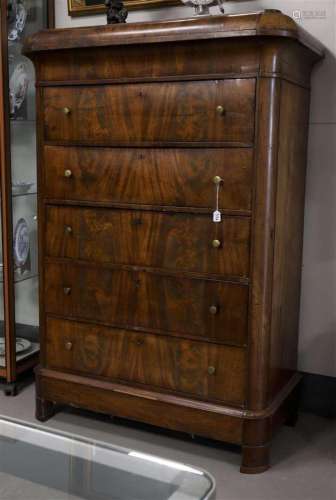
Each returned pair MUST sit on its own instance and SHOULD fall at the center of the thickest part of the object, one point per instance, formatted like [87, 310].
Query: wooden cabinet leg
[255, 459]
[44, 409]
[256, 446]
[11, 389]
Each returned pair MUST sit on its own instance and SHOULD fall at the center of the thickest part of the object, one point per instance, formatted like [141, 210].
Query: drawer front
[183, 306]
[172, 177]
[151, 112]
[156, 239]
[208, 371]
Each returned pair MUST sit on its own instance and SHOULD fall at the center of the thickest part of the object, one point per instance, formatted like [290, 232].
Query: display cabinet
[19, 337]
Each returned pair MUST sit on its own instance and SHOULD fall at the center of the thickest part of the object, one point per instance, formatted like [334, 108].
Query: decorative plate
[21, 243]
[17, 19]
[22, 345]
[18, 86]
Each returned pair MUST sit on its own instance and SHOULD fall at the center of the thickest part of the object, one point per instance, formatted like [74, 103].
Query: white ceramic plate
[22, 345]
[21, 242]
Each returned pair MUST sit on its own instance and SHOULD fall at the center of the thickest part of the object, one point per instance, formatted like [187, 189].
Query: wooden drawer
[169, 177]
[208, 371]
[156, 239]
[145, 300]
[151, 112]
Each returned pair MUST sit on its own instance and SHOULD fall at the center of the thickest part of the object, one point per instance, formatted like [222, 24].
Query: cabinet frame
[10, 373]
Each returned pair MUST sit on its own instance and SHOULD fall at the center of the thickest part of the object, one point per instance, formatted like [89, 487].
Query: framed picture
[87, 7]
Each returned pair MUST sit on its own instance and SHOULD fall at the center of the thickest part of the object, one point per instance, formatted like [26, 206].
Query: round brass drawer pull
[68, 229]
[213, 309]
[67, 290]
[66, 111]
[211, 370]
[220, 110]
[216, 243]
[68, 346]
[217, 179]
[67, 173]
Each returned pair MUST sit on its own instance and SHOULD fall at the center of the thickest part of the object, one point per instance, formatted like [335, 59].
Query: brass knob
[213, 309]
[68, 229]
[67, 290]
[68, 346]
[217, 179]
[220, 110]
[216, 243]
[211, 370]
[67, 173]
[140, 342]
[66, 111]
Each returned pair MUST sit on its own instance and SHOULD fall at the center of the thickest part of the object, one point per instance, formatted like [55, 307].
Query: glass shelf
[18, 280]
[21, 279]
[33, 193]
[22, 120]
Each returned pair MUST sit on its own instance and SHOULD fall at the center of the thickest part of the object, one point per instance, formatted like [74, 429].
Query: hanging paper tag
[216, 216]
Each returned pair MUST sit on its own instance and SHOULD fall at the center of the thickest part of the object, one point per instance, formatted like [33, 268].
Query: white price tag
[216, 216]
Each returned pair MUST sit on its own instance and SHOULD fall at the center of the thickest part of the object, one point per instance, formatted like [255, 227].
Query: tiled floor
[304, 458]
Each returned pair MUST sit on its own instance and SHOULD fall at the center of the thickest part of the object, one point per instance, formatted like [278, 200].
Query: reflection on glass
[25, 17]
[53, 465]
[2, 317]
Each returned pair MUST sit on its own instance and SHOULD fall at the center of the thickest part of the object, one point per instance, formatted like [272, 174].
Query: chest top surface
[268, 23]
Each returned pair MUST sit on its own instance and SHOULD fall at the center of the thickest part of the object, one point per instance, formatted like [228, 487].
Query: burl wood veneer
[149, 309]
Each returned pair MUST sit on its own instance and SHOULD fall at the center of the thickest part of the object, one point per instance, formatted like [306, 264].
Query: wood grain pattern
[156, 361]
[171, 177]
[288, 240]
[133, 299]
[159, 240]
[151, 407]
[175, 112]
[260, 305]
[165, 61]
[134, 305]
[269, 23]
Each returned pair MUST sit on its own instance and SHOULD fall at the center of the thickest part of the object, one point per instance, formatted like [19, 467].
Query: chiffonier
[150, 309]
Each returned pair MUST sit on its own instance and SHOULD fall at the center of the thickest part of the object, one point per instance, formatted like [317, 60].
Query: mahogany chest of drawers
[150, 310]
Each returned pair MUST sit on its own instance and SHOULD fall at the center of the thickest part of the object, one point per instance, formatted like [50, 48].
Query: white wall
[318, 304]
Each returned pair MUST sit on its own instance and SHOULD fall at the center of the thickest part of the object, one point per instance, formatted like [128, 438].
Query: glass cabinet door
[24, 17]
[3, 372]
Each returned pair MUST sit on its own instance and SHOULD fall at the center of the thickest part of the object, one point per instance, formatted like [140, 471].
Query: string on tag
[216, 216]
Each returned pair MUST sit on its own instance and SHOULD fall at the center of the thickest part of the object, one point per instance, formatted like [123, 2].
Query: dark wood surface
[147, 300]
[175, 112]
[268, 23]
[149, 309]
[160, 177]
[170, 61]
[174, 241]
[206, 370]
[290, 198]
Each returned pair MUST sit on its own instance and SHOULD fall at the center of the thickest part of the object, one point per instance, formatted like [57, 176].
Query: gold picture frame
[87, 7]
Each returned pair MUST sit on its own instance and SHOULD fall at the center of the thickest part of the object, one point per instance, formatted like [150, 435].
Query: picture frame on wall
[87, 7]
